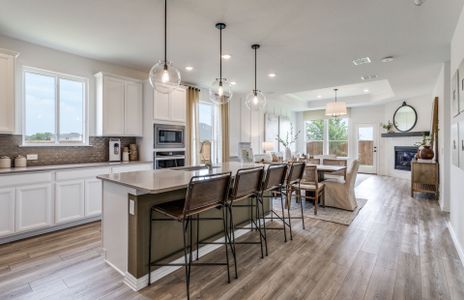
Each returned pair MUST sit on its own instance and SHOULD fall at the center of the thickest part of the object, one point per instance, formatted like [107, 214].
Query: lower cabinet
[93, 197]
[69, 201]
[34, 207]
[7, 211]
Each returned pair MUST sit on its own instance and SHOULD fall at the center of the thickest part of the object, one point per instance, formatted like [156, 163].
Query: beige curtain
[192, 147]
[225, 132]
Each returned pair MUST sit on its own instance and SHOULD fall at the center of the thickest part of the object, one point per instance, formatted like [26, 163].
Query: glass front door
[367, 147]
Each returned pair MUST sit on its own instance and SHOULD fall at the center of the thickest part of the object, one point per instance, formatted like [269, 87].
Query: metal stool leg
[289, 217]
[185, 227]
[283, 217]
[258, 227]
[149, 247]
[198, 236]
[232, 229]
[226, 243]
[261, 202]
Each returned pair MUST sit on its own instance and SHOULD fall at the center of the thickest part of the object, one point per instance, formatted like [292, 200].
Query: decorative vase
[287, 154]
[426, 152]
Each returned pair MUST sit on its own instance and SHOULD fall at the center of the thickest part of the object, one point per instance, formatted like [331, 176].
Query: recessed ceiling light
[418, 2]
[226, 56]
[189, 68]
[366, 91]
[319, 96]
[272, 75]
[361, 61]
[233, 83]
[369, 77]
[388, 59]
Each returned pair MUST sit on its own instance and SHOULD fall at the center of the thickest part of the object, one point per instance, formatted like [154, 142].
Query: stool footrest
[192, 264]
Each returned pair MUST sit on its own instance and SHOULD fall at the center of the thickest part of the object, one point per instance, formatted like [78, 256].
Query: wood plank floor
[397, 248]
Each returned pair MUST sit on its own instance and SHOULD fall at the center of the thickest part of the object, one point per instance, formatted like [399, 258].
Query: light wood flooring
[397, 248]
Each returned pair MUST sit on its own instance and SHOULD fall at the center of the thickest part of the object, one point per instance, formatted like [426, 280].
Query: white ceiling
[309, 44]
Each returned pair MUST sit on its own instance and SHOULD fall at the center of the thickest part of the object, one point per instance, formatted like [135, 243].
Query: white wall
[32, 55]
[456, 174]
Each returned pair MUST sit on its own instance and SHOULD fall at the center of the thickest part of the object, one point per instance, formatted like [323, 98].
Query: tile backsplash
[96, 152]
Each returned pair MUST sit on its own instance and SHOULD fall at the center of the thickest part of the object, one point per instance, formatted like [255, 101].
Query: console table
[424, 177]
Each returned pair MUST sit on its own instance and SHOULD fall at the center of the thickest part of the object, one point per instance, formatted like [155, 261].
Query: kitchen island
[127, 200]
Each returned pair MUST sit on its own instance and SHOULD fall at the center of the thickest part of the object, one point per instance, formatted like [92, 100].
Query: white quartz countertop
[67, 166]
[165, 180]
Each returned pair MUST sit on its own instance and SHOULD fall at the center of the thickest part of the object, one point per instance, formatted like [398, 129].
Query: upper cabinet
[7, 90]
[170, 108]
[119, 106]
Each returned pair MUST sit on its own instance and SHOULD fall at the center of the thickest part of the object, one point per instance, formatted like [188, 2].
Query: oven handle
[169, 157]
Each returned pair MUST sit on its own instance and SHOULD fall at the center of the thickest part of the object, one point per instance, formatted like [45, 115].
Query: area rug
[328, 214]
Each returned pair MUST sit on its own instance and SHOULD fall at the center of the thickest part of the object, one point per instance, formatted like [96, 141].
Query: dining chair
[312, 188]
[342, 194]
[339, 175]
[314, 161]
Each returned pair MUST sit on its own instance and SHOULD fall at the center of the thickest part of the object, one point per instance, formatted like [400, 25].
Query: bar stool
[274, 184]
[295, 175]
[203, 194]
[247, 185]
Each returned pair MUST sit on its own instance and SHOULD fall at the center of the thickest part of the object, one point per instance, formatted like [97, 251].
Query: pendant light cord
[220, 56]
[256, 90]
[335, 95]
[165, 33]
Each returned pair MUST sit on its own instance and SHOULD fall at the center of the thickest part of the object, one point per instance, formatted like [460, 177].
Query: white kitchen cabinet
[7, 211]
[7, 90]
[34, 207]
[69, 201]
[93, 197]
[455, 144]
[171, 108]
[461, 144]
[119, 106]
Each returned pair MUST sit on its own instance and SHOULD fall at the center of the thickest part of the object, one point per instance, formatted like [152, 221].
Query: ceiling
[309, 44]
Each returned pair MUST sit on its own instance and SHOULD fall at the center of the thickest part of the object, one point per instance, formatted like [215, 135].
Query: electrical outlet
[32, 157]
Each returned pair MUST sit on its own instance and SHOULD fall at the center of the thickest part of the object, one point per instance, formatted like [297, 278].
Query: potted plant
[425, 150]
[388, 127]
[289, 140]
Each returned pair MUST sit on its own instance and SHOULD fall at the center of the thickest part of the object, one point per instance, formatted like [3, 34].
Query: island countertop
[165, 180]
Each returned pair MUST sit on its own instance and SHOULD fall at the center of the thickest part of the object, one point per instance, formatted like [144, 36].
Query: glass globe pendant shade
[220, 91]
[164, 77]
[255, 100]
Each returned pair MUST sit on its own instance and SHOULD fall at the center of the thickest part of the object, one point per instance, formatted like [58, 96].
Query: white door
[366, 147]
[93, 197]
[69, 201]
[113, 106]
[161, 106]
[33, 207]
[133, 109]
[7, 211]
[178, 105]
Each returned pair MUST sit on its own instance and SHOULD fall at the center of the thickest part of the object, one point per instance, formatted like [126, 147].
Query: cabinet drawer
[81, 173]
[25, 179]
[132, 168]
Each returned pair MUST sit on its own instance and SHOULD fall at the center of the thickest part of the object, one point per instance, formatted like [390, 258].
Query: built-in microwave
[168, 136]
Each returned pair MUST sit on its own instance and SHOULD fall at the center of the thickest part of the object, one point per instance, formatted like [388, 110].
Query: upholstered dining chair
[341, 194]
[310, 184]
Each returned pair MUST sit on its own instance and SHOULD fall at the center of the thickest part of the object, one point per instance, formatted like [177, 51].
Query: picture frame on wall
[461, 86]
[455, 94]
[455, 144]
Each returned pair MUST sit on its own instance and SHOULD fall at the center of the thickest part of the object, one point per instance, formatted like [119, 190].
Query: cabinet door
[113, 106]
[133, 109]
[69, 201]
[33, 207]
[455, 144]
[455, 94]
[161, 106]
[7, 99]
[178, 105]
[93, 197]
[7, 211]
[461, 86]
[461, 144]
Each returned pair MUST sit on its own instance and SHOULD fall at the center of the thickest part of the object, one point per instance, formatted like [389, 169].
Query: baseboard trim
[456, 242]
[137, 284]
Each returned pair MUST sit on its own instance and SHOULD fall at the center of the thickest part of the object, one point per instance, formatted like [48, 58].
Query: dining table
[326, 169]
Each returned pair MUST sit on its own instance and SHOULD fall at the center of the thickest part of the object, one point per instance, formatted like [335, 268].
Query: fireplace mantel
[405, 134]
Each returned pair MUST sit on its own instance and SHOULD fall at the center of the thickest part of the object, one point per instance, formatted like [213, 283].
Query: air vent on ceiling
[369, 77]
[361, 61]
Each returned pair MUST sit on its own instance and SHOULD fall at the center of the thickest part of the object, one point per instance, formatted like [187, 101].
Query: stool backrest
[247, 182]
[275, 177]
[205, 192]
[296, 172]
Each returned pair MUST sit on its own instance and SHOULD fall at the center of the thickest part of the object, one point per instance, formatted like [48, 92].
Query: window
[327, 137]
[54, 108]
[207, 128]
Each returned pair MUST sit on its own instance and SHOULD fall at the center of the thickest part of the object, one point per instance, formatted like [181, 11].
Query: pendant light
[255, 100]
[164, 76]
[220, 91]
[335, 109]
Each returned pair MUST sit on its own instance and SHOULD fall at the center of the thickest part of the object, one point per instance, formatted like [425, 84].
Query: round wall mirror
[405, 118]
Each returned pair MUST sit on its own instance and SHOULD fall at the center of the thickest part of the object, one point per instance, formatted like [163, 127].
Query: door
[33, 207]
[7, 211]
[113, 106]
[69, 201]
[178, 104]
[161, 106]
[93, 197]
[366, 147]
[133, 109]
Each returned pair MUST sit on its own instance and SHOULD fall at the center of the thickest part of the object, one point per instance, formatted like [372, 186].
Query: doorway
[366, 147]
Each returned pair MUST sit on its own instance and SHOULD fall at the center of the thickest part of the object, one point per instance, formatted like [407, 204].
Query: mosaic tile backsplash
[96, 152]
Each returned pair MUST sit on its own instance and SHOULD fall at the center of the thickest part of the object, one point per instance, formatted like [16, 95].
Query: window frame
[85, 108]
[216, 140]
[326, 141]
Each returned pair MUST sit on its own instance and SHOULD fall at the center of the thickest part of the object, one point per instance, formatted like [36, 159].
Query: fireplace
[403, 157]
